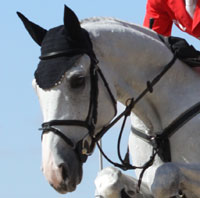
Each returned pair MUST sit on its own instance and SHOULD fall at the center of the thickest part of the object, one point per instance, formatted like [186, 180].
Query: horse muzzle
[61, 181]
[63, 178]
[60, 164]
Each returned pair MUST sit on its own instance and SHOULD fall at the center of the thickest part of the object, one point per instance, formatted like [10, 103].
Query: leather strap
[161, 140]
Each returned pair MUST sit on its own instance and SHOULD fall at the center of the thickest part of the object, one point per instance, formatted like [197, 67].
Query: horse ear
[37, 33]
[72, 24]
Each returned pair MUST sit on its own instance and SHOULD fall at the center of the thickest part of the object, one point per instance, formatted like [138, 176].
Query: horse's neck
[130, 56]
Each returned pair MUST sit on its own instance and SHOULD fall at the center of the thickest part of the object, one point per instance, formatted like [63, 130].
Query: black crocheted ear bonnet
[59, 52]
[60, 47]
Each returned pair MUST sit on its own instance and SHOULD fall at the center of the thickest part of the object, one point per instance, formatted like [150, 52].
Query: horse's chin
[64, 188]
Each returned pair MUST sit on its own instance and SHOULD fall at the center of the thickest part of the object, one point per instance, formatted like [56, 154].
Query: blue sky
[20, 117]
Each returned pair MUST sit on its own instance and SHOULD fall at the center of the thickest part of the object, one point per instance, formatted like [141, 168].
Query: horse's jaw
[60, 164]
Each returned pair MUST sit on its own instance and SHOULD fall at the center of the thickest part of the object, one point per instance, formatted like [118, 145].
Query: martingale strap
[162, 139]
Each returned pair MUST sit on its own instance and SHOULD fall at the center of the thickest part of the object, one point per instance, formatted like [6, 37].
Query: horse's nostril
[63, 171]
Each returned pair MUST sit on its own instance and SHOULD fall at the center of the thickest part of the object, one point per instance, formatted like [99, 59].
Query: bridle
[82, 148]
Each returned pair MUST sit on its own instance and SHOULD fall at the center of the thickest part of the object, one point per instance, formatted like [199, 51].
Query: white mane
[99, 19]
[117, 22]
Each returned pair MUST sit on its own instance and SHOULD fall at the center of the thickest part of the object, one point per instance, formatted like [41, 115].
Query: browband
[67, 53]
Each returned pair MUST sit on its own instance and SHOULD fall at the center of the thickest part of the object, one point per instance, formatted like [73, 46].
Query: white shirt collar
[190, 6]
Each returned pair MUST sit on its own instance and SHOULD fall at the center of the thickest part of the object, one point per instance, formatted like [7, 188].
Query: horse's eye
[77, 81]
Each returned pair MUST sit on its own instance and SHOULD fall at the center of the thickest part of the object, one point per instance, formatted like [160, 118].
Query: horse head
[75, 101]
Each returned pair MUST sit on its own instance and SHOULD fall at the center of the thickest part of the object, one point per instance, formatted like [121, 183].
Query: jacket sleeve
[158, 12]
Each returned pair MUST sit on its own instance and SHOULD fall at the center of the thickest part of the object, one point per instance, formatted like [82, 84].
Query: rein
[125, 164]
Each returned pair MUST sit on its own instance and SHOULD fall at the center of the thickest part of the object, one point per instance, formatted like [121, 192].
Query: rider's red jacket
[167, 12]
